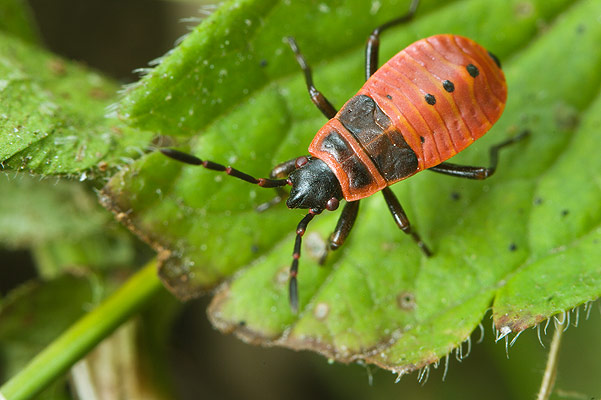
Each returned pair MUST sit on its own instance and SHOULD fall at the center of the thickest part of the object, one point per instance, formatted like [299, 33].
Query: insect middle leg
[401, 219]
[343, 227]
[469, 172]
[317, 97]
[373, 43]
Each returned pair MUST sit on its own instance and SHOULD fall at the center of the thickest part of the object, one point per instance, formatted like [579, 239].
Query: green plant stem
[82, 336]
[551, 369]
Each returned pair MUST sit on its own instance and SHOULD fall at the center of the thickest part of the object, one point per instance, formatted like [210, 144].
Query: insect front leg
[233, 172]
[343, 227]
[401, 219]
[469, 172]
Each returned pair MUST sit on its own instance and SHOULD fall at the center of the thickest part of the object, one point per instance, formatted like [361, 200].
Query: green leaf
[53, 115]
[377, 299]
[564, 235]
[238, 51]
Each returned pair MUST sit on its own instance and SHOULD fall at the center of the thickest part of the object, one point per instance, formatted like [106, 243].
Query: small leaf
[53, 115]
[377, 299]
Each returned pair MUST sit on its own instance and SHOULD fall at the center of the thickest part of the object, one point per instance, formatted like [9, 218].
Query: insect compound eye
[332, 204]
[301, 161]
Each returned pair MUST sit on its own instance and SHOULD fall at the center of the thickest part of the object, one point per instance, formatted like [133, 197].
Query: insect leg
[373, 43]
[343, 227]
[469, 172]
[280, 171]
[293, 284]
[401, 219]
[192, 160]
[318, 99]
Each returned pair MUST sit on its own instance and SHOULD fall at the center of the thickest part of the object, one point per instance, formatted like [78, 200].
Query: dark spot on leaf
[513, 247]
[263, 63]
[565, 212]
[538, 201]
[99, 93]
[405, 301]
[242, 323]
[566, 117]
[57, 66]
[455, 196]
[581, 28]
[254, 248]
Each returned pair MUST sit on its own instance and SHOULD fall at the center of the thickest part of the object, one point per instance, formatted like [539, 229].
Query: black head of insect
[314, 186]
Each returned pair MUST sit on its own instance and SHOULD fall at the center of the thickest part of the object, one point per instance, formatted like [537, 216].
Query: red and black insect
[423, 106]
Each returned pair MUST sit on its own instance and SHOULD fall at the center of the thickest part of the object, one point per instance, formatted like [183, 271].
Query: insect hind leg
[317, 97]
[373, 43]
[479, 173]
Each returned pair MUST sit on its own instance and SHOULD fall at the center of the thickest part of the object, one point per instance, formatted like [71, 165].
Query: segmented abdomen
[426, 104]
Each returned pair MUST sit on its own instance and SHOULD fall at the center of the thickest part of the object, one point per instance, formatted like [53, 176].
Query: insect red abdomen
[426, 104]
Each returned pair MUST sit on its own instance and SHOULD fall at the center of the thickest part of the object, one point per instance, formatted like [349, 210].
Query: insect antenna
[293, 285]
[193, 160]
